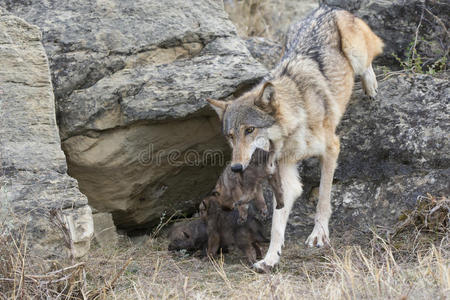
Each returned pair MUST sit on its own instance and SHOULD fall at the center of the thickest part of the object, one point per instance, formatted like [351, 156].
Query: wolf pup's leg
[260, 202]
[242, 209]
[274, 176]
[271, 166]
[213, 243]
[257, 250]
[277, 189]
[320, 234]
[292, 189]
[212, 231]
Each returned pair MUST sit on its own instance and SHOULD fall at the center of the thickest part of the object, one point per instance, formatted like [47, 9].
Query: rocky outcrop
[267, 18]
[36, 194]
[397, 23]
[394, 150]
[130, 79]
[265, 51]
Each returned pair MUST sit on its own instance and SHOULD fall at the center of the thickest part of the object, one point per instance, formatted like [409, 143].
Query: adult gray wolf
[297, 108]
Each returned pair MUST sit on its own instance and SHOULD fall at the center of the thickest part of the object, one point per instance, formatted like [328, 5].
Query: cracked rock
[34, 185]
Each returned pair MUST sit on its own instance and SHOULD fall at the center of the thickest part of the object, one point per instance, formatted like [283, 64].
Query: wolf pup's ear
[266, 98]
[219, 106]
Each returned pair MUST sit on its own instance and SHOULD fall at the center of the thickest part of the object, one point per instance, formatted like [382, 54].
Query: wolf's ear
[219, 106]
[266, 98]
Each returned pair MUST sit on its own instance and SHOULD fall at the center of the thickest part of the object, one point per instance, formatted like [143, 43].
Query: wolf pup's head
[245, 122]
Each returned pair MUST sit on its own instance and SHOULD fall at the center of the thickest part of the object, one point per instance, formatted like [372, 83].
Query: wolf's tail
[359, 44]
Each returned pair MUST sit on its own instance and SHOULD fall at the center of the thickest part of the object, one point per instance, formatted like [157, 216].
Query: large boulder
[130, 79]
[402, 24]
[36, 194]
[394, 150]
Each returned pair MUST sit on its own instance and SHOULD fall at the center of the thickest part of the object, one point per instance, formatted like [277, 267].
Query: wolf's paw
[271, 168]
[262, 267]
[369, 83]
[241, 220]
[318, 237]
[371, 91]
[263, 215]
[266, 265]
[280, 204]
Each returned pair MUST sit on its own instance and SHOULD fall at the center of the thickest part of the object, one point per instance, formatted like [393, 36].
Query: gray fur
[234, 117]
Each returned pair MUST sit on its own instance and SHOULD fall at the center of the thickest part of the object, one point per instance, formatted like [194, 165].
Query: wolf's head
[245, 122]
[189, 235]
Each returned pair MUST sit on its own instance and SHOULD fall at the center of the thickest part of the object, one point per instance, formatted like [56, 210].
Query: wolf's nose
[237, 168]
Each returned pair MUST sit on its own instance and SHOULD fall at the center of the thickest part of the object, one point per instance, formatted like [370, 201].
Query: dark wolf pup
[224, 230]
[218, 229]
[297, 108]
[237, 190]
[189, 235]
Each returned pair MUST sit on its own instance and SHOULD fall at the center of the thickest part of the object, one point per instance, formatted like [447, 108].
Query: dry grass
[412, 262]
[376, 271]
[22, 275]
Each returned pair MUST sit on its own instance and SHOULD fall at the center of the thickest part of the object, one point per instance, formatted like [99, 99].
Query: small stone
[105, 230]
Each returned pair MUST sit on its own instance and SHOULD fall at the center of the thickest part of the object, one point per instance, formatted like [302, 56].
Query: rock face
[394, 149]
[130, 80]
[267, 18]
[265, 51]
[35, 189]
[397, 22]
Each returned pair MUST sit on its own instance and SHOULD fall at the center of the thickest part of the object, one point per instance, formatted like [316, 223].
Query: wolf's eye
[249, 130]
[216, 193]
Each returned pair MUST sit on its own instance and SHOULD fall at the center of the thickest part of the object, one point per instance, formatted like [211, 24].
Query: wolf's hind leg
[369, 82]
[320, 234]
[360, 45]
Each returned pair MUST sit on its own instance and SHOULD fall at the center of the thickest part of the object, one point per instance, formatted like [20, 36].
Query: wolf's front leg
[320, 234]
[292, 189]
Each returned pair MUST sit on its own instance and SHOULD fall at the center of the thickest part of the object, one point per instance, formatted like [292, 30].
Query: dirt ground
[409, 261]
[372, 269]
